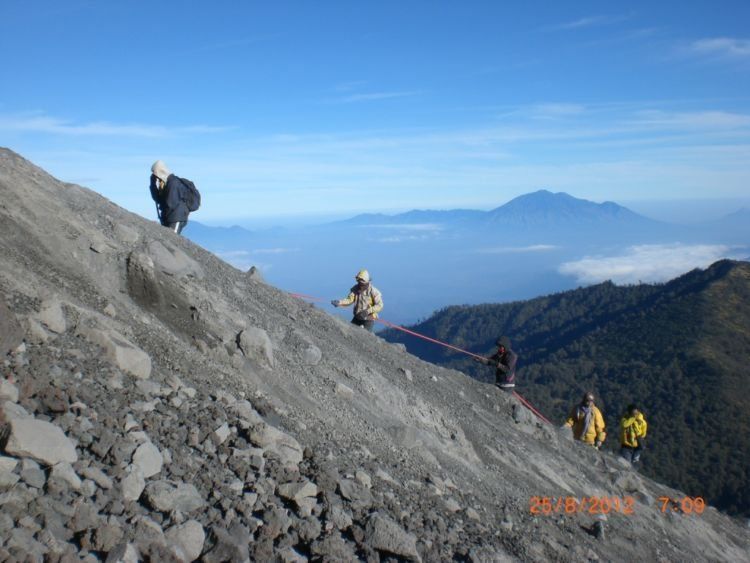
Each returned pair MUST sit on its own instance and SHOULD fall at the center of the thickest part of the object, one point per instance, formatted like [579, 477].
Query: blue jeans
[633, 455]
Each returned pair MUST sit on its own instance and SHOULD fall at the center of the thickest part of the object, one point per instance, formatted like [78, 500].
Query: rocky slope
[157, 404]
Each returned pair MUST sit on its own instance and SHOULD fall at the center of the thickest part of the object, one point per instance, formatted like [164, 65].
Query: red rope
[428, 339]
[524, 402]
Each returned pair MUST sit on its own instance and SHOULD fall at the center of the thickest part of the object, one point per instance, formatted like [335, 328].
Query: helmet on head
[363, 275]
[160, 170]
[504, 341]
[589, 396]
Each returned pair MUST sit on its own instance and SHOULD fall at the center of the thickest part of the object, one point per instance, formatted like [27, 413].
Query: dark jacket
[505, 366]
[172, 208]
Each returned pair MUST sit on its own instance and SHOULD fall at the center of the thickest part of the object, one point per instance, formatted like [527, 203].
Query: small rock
[363, 478]
[133, 483]
[297, 491]
[8, 391]
[189, 537]
[52, 316]
[64, 473]
[344, 391]
[222, 433]
[451, 505]
[473, 514]
[149, 459]
[110, 310]
[166, 496]
[123, 553]
[339, 517]
[97, 476]
[312, 356]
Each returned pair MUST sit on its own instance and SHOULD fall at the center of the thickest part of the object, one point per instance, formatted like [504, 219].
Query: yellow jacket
[595, 430]
[632, 428]
[368, 300]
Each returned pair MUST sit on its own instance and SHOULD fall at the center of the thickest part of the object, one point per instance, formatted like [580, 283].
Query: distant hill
[540, 207]
[547, 208]
[680, 350]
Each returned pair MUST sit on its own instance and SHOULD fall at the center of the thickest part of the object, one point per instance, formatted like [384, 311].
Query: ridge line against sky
[338, 109]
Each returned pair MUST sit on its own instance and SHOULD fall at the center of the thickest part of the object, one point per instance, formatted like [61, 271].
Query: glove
[335, 302]
[598, 445]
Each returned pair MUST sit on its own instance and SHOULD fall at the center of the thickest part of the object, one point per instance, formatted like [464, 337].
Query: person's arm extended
[347, 301]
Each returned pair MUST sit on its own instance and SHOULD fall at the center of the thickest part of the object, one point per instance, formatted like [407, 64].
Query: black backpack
[190, 195]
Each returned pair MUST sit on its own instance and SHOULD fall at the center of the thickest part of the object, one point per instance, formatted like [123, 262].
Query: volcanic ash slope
[158, 404]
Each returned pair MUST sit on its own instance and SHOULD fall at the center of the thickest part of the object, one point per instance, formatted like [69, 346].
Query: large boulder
[387, 536]
[276, 442]
[123, 353]
[255, 344]
[173, 261]
[40, 441]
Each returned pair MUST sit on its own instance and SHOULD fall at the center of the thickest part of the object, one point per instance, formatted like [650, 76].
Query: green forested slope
[679, 350]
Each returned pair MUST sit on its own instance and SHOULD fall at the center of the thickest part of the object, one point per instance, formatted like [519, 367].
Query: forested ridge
[679, 350]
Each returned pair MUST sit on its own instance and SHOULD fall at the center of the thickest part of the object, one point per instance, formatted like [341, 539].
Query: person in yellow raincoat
[367, 301]
[587, 422]
[633, 429]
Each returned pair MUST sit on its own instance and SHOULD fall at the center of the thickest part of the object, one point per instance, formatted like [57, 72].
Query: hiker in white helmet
[167, 191]
[367, 301]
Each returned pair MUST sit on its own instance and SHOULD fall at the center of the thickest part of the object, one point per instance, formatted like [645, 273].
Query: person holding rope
[367, 301]
[504, 361]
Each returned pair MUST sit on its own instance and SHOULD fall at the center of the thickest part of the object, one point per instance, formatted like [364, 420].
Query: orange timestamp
[546, 506]
[684, 505]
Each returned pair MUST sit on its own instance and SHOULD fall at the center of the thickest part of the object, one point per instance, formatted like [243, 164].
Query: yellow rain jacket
[595, 430]
[368, 300]
[632, 428]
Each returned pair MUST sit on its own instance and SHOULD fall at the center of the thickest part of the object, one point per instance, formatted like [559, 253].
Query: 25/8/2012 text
[545, 506]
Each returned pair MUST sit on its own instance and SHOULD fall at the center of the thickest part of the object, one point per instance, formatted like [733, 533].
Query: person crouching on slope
[367, 301]
[633, 429]
[504, 361]
[587, 422]
[166, 190]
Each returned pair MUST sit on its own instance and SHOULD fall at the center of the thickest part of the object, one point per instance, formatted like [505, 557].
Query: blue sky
[332, 108]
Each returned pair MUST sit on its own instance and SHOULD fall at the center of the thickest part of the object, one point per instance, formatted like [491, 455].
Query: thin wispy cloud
[722, 47]
[517, 249]
[41, 123]
[645, 263]
[374, 96]
[588, 21]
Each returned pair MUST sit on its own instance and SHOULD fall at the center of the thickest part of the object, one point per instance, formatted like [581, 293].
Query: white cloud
[722, 46]
[645, 263]
[517, 249]
[41, 123]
